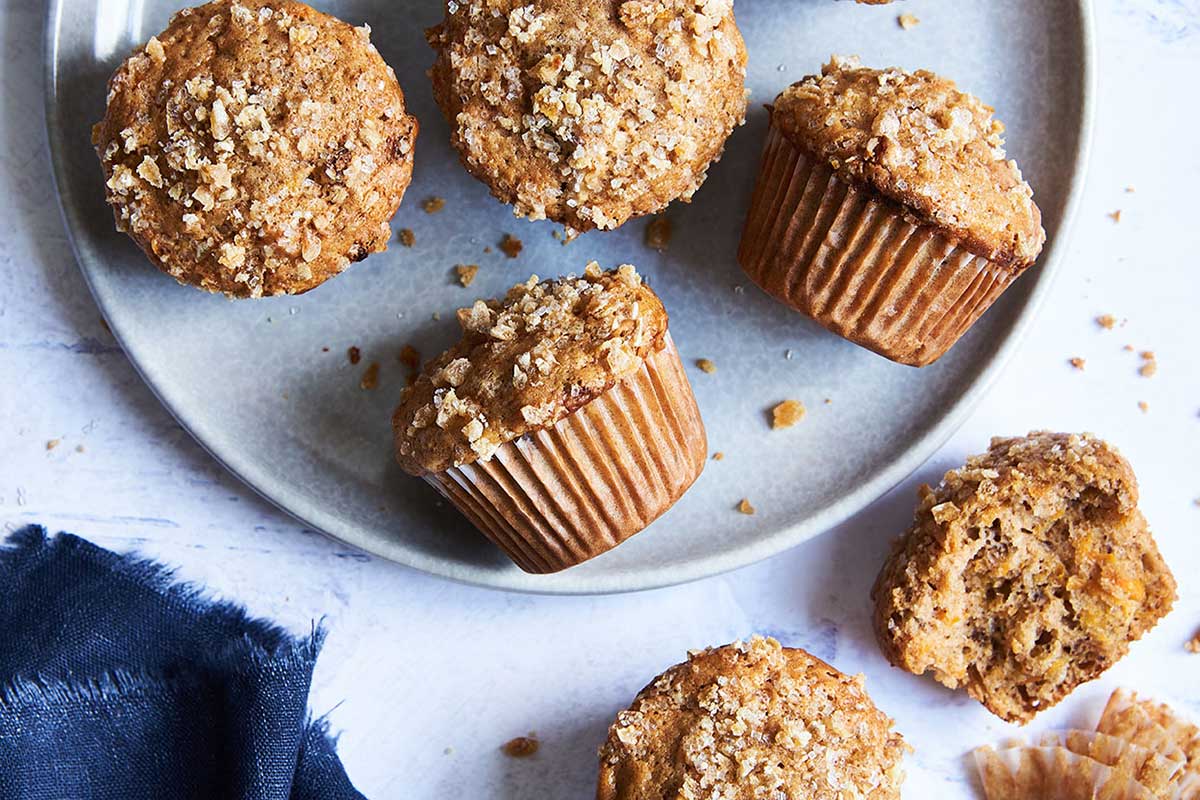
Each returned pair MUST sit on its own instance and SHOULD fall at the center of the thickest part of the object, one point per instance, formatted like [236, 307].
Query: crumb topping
[589, 113]
[920, 141]
[752, 720]
[256, 147]
[524, 362]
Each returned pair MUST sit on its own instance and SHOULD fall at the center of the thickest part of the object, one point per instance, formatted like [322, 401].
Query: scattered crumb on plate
[53, 443]
[908, 21]
[466, 273]
[1106, 321]
[511, 245]
[717, 456]
[1115, 215]
[744, 507]
[787, 414]
[706, 365]
[354, 354]
[1077, 362]
[658, 233]
[521, 747]
[407, 237]
[370, 378]
[80, 448]
[1193, 645]
[1144, 406]
[432, 205]
[411, 359]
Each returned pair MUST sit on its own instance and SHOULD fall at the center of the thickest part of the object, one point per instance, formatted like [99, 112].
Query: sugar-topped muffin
[1026, 572]
[562, 422]
[902, 220]
[589, 113]
[256, 147]
[752, 720]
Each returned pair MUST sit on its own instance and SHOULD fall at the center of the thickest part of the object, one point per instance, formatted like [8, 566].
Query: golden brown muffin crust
[1026, 572]
[589, 113]
[917, 139]
[751, 720]
[256, 147]
[525, 362]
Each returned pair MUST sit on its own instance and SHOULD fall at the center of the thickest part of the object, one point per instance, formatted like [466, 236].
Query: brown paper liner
[567, 493]
[855, 262]
[1052, 773]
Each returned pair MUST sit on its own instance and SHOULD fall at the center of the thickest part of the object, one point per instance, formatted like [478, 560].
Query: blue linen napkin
[118, 683]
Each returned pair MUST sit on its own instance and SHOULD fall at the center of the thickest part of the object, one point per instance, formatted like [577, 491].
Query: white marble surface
[427, 678]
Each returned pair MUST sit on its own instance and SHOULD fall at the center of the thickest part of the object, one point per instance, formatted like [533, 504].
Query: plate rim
[917, 453]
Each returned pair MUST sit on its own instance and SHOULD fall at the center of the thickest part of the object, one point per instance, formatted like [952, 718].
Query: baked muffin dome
[917, 139]
[524, 362]
[751, 720]
[256, 147]
[1025, 573]
[591, 112]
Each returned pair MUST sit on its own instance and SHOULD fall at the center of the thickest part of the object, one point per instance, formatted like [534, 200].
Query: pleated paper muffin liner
[1052, 773]
[857, 263]
[561, 495]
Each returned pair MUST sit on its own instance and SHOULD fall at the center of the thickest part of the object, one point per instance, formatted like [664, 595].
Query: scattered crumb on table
[908, 21]
[744, 507]
[432, 205]
[521, 747]
[53, 443]
[1115, 215]
[354, 354]
[370, 378]
[511, 245]
[407, 237]
[706, 365]
[1077, 362]
[717, 456]
[1106, 321]
[466, 273]
[1149, 364]
[658, 233]
[1144, 406]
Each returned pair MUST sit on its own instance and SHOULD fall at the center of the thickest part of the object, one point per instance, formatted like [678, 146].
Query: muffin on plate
[886, 210]
[562, 423]
[255, 147]
[751, 720]
[1025, 573]
[589, 113]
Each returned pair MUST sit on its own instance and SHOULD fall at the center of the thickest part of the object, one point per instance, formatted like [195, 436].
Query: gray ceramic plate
[255, 384]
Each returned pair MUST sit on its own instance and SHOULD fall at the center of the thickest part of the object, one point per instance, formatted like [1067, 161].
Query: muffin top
[751, 720]
[256, 147]
[1025, 573]
[589, 112]
[915, 138]
[524, 362]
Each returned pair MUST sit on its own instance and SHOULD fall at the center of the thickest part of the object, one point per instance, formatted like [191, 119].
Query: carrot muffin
[886, 209]
[255, 147]
[1025, 573]
[592, 112]
[562, 423]
[752, 720]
